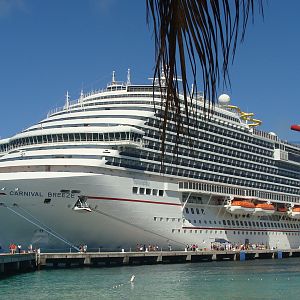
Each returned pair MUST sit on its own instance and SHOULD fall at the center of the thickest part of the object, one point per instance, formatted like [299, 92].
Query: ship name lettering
[26, 194]
[60, 195]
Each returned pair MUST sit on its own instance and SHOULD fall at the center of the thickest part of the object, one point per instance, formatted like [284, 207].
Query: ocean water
[259, 279]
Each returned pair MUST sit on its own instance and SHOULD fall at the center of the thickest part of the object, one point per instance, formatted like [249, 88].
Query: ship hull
[119, 219]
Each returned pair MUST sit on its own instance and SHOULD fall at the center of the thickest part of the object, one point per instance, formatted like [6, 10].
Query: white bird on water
[132, 278]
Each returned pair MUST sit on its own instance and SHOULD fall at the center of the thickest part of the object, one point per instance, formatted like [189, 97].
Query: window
[154, 192]
[187, 210]
[134, 190]
[148, 191]
[142, 191]
[192, 210]
[161, 193]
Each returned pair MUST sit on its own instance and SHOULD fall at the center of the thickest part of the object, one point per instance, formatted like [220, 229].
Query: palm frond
[191, 35]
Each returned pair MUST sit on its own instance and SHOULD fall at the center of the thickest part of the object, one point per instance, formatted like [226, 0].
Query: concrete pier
[49, 260]
[16, 263]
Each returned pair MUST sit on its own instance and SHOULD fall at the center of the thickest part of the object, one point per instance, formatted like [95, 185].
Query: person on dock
[12, 248]
[84, 247]
[19, 248]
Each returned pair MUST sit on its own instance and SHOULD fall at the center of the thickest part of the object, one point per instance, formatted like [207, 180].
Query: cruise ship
[91, 173]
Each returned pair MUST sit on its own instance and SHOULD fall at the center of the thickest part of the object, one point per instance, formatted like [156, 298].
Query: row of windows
[208, 126]
[72, 137]
[195, 145]
[236, 157]
[233, 161]
[147, 191]
[204, 175]
[94, 116]
[91, 102]
[215, 155]
[244, 223]
[214, 188]
[230, 166]
[234, 232]
[236, 223]
[167, 219]
[194, 211]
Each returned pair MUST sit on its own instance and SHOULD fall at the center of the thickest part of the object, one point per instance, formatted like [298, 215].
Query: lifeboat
[240, 207]
[294, 212]
[262, 209]
[282, 209]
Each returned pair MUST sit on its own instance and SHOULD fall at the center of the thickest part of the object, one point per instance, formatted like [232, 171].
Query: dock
[17, 263]
[94, 259]
[11, 264]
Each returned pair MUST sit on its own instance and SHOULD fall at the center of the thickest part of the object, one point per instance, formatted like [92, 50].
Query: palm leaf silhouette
[196, 36]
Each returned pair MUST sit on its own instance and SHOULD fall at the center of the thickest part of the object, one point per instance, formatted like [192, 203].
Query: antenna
[128, 77]
[113, 77]
[81, 95]
[67, 100]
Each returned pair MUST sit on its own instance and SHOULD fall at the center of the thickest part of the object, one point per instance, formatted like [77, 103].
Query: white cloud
[7, 7]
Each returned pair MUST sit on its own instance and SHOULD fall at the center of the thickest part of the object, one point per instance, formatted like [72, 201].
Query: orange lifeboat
[262, 209]
[237, 206]
[294, 212]
[282, 209]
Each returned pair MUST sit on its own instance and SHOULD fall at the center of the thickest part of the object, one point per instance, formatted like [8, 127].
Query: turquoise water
[259, 279]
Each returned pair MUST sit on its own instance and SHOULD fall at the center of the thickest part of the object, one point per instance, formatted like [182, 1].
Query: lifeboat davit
[294, 212]
[295, 127]
[262, 209]
[240, 207]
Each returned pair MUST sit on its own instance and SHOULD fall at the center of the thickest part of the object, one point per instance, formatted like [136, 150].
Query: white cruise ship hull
[118, 220]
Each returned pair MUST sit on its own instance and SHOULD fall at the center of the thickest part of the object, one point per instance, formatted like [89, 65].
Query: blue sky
[51, 46]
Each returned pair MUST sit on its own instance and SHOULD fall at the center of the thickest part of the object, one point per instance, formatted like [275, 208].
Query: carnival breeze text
[39, 194]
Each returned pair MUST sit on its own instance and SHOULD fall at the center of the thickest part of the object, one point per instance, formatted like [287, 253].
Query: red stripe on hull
[133, 200]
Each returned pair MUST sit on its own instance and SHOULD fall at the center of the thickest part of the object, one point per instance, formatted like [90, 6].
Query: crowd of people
[144, 248]
[17, 248]
[193, 247]
[83, 248]
[237, 247]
